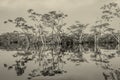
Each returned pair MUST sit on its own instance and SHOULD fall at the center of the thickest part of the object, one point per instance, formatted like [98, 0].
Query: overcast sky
[85, 11]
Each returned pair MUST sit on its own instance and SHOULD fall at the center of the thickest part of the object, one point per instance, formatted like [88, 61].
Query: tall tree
[21, 23]
[98, 30]
[54, 20]
[38, 29]
[110, 13]
[78, 30]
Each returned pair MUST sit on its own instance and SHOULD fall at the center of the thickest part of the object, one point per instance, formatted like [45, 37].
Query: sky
[85, 11]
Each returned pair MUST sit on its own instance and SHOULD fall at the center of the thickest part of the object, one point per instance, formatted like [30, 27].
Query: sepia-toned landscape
[60, 40]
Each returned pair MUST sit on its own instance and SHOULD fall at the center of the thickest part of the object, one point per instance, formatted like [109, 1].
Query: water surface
[80, 62]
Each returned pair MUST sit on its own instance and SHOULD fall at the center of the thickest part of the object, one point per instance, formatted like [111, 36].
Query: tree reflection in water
[51, 60]
[103, 60]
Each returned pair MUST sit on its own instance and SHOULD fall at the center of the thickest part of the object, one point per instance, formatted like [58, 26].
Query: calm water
[61, 63]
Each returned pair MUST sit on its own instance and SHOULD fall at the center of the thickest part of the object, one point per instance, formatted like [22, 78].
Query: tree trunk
[118, 42]
[59, 38]
[44, 38]
[28, 41]
[56, 37]
[41, 38]
[95, 43]
[80, 38]
[52, 37]
[115, 36]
